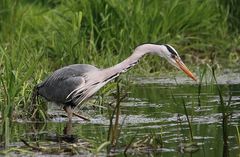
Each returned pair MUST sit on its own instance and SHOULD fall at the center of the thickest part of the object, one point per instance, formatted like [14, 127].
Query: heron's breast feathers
[91, 83]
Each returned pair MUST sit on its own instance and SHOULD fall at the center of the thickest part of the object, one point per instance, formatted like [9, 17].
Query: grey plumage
[62, 82]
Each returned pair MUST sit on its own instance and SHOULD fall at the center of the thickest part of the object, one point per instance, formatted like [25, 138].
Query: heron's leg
[68, 109]
[68, 128]
[80, 116]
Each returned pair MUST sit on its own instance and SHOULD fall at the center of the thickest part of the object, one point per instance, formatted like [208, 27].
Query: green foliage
[105, 32]
[231, 6]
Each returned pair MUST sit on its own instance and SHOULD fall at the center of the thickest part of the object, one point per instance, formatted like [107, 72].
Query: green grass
[38, 37]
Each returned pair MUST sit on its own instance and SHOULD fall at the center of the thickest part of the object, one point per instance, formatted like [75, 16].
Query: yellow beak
[183, 67]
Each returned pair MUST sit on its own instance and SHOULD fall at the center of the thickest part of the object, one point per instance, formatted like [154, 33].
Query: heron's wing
[67, 72]
[63, 81]
[58, 90]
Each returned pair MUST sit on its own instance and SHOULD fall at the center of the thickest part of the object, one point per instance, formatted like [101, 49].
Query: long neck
[132, 60]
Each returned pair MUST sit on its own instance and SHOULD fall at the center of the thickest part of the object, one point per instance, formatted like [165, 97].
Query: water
[153, 120]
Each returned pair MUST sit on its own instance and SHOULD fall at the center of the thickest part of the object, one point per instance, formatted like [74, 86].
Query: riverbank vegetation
[38, 37]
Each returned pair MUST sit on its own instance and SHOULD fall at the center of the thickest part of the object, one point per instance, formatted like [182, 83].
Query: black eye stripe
[171, 50]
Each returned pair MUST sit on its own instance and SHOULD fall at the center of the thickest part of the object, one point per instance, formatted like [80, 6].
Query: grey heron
[73, 84]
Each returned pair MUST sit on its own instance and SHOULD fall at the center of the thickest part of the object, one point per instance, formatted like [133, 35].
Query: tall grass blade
[6, 132]
[200, 84]
[102, 146]
[225, 115]
[189, 123]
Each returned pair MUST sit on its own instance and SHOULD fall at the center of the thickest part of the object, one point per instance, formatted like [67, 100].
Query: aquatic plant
[226, 112]
[115, 128]
[188, 120]
[200, 82]
[14, 87]
[238, 135]
[191, 139]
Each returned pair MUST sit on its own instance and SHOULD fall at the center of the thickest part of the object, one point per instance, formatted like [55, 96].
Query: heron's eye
[173, 56]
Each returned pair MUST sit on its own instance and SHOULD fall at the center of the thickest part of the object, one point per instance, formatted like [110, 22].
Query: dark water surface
[154, 112]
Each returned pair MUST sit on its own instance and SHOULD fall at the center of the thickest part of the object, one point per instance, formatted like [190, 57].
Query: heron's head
[173, 58]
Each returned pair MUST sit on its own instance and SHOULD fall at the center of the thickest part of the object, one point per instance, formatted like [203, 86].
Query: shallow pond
[153, 122]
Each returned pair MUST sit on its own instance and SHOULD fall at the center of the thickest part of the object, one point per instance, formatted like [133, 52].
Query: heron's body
[62, 82]
[73, 84]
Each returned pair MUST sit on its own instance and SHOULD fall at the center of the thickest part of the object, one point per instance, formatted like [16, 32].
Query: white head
[168, 52]
[171, 55]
